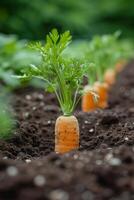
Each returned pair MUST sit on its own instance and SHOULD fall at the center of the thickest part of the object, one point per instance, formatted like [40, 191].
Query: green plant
[83, 17]
[14, 56]
[105, 51]
[105, 54]
[61, 75]
[6, 119]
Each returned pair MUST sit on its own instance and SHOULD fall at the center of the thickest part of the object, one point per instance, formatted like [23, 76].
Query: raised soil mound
[102, 168]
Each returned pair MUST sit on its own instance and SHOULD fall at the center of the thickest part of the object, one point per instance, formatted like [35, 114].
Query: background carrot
[110, 76]
[66, 134]
[102, 90]
[88, 101]
[101, 53]
[119, 66]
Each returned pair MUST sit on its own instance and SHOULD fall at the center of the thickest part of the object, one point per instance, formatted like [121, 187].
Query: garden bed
[103, 167]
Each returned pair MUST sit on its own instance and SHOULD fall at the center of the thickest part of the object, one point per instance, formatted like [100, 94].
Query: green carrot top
[104, 51]
[61, 75]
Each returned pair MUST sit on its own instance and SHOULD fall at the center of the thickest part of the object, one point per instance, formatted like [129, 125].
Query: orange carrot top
[120, 65]
[66, 134]
[110, 76]
[90, 96]
[89, 103]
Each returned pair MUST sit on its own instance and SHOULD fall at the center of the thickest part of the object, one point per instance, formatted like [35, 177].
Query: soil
[102, 168]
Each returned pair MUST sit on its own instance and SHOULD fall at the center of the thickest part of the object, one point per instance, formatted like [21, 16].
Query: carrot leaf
[61, 75]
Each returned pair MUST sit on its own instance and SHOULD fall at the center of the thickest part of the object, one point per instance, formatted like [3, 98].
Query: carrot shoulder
[66, 134]
[119, 66]
[102, 90]
[88, 102]
[110, 76]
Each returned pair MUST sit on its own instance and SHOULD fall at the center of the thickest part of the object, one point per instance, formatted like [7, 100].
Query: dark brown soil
[103, 167]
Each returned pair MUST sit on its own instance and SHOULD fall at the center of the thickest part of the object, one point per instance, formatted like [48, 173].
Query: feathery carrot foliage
[61, 75]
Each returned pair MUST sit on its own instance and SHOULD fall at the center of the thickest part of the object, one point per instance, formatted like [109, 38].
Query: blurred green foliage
[33, 19]
[6, 118]
[14, 57]
[121, 48]
[104, 52]
[101, 53]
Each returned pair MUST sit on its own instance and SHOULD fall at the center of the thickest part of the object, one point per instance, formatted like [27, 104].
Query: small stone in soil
[98, 162]
[49, 121]
[34, 108]
[42, 104]
[28, 97]
[115, 162]
[5, 158]
[126, 138]
[39, 180]
[27, 160]
[75, 156]
[26, 114]
[109, 156]
[91, 130]
[12, 171]
[40, 96]
[59, 195]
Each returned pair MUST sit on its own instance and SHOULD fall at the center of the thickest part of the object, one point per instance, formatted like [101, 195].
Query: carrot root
[88, 103]
[66, 134]
[110, 76]
[120, 66]
[102, 90]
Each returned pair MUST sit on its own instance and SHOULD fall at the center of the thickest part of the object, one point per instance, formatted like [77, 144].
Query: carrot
[102, 90]
[119, 66]
[88, 102]
[66, 134]
[63, 76]
[110, 76]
